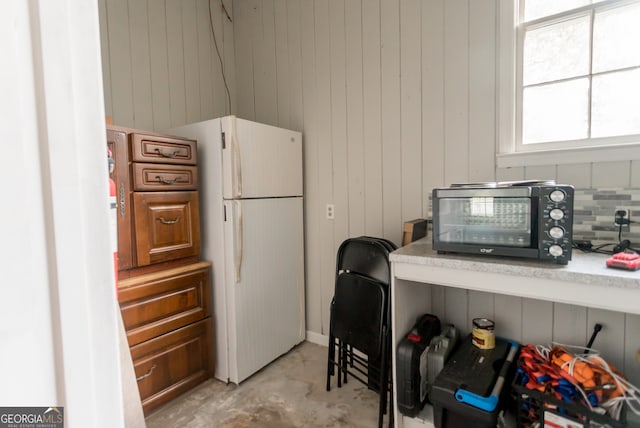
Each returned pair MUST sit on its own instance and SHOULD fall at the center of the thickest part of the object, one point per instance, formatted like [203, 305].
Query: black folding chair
[360, 321]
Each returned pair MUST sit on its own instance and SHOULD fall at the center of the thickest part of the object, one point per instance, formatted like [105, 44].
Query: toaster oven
[531, 219]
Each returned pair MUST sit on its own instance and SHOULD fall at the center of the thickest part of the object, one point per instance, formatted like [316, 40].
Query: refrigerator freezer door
[265, 293]
[260, 161]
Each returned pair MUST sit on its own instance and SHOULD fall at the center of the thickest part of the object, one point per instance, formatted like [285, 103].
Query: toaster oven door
[485, 221]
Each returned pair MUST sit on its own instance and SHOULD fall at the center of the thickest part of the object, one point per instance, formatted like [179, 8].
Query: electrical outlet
[331, 214]
[621, 216]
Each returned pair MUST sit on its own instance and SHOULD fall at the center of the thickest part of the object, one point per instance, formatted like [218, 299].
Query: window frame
[511, 151]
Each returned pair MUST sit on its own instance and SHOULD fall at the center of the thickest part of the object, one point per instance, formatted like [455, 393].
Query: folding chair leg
[383, 379]
[331, 358]
[348, 351]
[340, 362]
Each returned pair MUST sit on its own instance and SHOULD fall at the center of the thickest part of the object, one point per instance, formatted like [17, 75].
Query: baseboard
[317, 338]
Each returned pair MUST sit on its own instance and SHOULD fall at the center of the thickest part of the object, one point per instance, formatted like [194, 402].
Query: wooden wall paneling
[120, 61]
[481, 305]
[339, 116]
[611, 174]
[267, 91]
[631, 367]
[220, 22]
[570, 324]
[432, 98]
[537, 321]
[104, 53]
[438, 305]
[355, 118]
[313, 205]
[282, 63]
[391, 125]
[140, 65]
[244, 17]
[508, 316]
[417, 304]
[456, 309]
[456, 91]
[295, 68]
[509, 174]
[482, 90]
[159, 65]
[610, 339]
[191, 63]
[325, 156]
[207, 56]
[578, 174]
[537, 172]
[635, 174]
[372, 120]
[264, 57]
[227, 52]
[175, 57]
[411, 107]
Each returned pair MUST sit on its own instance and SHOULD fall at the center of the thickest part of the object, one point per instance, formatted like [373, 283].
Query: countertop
[585, 280]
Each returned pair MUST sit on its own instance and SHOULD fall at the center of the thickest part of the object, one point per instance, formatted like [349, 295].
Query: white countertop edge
[584, 268]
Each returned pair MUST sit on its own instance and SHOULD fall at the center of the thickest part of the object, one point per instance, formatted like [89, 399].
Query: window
[577, 74]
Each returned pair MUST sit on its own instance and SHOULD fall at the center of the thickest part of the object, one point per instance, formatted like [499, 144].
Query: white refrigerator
[252, 231]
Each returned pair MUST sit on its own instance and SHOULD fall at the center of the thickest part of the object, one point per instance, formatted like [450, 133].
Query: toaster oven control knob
[556, 232]
[557, 196]
[556, 214]
[555, 250]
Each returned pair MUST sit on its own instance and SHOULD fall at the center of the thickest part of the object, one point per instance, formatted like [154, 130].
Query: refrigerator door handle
[236, 160]
[238, 238]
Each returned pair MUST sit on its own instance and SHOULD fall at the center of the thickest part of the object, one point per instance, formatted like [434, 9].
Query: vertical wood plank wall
[160, 66]
[393, 98]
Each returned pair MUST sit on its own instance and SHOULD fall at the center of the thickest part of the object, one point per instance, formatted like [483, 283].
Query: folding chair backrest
[367, 256]
[359, 312]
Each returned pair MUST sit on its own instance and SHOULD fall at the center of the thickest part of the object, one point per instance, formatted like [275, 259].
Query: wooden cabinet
[168, 321]
[167, 226]
[118, 143]
[157, 197]
[163, 288]
[157, 303]
[173, 363]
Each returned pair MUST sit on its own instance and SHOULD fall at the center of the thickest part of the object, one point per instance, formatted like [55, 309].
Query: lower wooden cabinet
[173, 363]
[167, 318]
[157, 303]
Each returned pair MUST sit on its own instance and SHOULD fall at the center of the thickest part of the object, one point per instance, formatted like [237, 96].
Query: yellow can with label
[482, 333]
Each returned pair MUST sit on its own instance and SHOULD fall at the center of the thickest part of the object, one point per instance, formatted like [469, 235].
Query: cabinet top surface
[584, 268]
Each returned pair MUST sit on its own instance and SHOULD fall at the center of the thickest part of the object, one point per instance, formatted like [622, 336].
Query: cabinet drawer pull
[165, 221]
[166, 181]
[147, 374]
[167, 154]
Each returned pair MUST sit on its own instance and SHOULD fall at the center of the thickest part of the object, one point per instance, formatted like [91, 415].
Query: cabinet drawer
[173, 363]
[167, 226]
[158, 149]
[154, 304]
[149, 176]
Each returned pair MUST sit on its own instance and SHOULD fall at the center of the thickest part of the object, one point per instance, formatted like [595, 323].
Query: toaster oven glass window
[486, 221]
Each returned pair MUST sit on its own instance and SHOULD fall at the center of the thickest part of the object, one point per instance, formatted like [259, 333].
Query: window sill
[623, 152]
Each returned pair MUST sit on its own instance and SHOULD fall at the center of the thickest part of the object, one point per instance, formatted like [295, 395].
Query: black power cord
[620, 218]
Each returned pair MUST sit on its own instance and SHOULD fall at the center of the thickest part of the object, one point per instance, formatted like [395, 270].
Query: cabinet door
[155, 304]
[173, 363]
[167, 226]
[117, 143]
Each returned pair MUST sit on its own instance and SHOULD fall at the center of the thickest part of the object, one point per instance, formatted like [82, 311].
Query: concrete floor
[288, 393]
